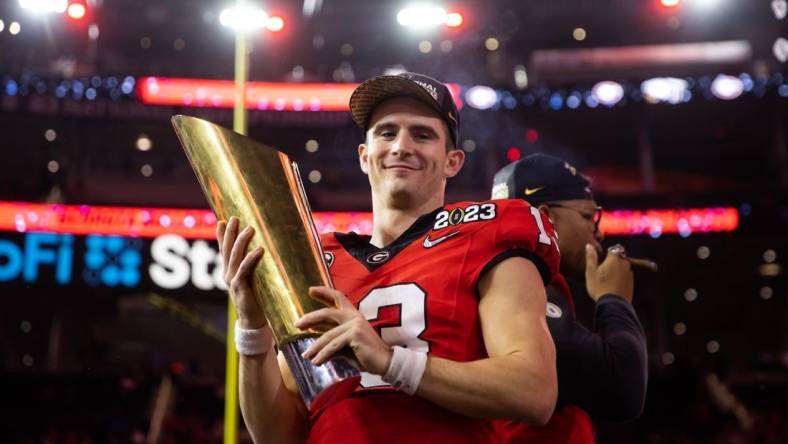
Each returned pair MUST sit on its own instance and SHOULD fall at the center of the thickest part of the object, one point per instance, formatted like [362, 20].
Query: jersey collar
[372, 257]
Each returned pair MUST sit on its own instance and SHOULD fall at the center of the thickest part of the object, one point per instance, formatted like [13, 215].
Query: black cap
[433, 93]
[540, 178]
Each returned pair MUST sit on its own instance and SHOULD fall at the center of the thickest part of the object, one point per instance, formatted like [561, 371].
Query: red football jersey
[569, 425]
[421, 292]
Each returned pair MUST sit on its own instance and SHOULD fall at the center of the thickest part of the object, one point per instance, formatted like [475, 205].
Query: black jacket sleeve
[603, 371]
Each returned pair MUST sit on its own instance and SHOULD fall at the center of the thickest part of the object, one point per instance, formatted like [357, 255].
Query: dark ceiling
[706, 151]
[313, 37]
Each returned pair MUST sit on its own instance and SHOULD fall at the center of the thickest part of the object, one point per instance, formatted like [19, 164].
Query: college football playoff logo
[328, 257]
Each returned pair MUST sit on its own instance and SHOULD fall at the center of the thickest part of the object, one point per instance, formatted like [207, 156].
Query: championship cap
[540, 178]
[431, 92]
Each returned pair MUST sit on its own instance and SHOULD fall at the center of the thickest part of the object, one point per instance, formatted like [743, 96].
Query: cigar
[642, 263]
[620, 251]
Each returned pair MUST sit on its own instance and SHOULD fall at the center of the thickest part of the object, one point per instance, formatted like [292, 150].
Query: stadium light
[428, 16]
[481, 97]
[454, 19]
[513, 153]
[244, 18]
[608, 93]
[780, 49]
[780, 9]
[76, 11]
[664, 90]
[421, 16]
[706, 4]
[44, 6]
[275, 24]
[520, 77]
[727, 87]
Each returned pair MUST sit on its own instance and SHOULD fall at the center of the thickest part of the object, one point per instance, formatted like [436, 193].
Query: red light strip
[200, 224]
[206, 93]
[121, 221]
[658, 222]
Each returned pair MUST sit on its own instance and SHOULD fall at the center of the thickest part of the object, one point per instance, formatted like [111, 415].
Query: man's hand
[353, 330]
[238, 267]
[613, 276]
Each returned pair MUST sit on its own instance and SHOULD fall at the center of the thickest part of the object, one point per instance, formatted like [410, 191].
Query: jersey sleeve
[523, 231]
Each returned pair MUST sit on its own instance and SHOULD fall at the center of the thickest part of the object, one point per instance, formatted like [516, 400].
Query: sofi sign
[38, 251]
[176, 263]
[168, 262]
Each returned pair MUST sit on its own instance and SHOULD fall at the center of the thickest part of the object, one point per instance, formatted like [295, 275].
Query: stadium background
[112, 319]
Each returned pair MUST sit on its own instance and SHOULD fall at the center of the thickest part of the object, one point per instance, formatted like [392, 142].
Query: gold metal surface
[261, 186]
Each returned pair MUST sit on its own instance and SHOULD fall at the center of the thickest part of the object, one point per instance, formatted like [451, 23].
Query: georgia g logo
[554, 311]
[378, 257]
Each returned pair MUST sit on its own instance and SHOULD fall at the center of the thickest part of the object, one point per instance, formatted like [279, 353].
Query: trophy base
[321, 385]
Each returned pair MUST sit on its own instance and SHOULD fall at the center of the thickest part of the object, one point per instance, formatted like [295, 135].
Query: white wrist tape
[406, 369]
[253, 342]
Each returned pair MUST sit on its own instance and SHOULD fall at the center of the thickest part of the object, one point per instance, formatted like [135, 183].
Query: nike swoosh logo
[530, 191]
[429, 243]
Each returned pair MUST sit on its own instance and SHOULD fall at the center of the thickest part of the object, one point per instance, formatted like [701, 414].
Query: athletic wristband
[406, 369]
[253, 342]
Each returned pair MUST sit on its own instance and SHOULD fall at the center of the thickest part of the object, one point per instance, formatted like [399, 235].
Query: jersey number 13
[411, 301]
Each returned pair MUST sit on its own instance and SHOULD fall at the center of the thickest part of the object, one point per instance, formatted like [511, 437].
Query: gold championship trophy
[262, 187]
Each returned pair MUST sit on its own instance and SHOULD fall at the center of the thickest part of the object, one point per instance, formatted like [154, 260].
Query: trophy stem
[320, 385]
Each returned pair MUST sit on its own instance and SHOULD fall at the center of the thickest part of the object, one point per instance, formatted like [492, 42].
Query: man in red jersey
[442, 306]
[601, 372]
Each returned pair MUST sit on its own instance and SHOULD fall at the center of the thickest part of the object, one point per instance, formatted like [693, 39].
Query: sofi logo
[40, 251]
[176, 263]
[111, 261]
[108, 260]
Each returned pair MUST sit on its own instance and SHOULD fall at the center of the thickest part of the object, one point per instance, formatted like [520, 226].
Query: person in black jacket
[602, 371]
